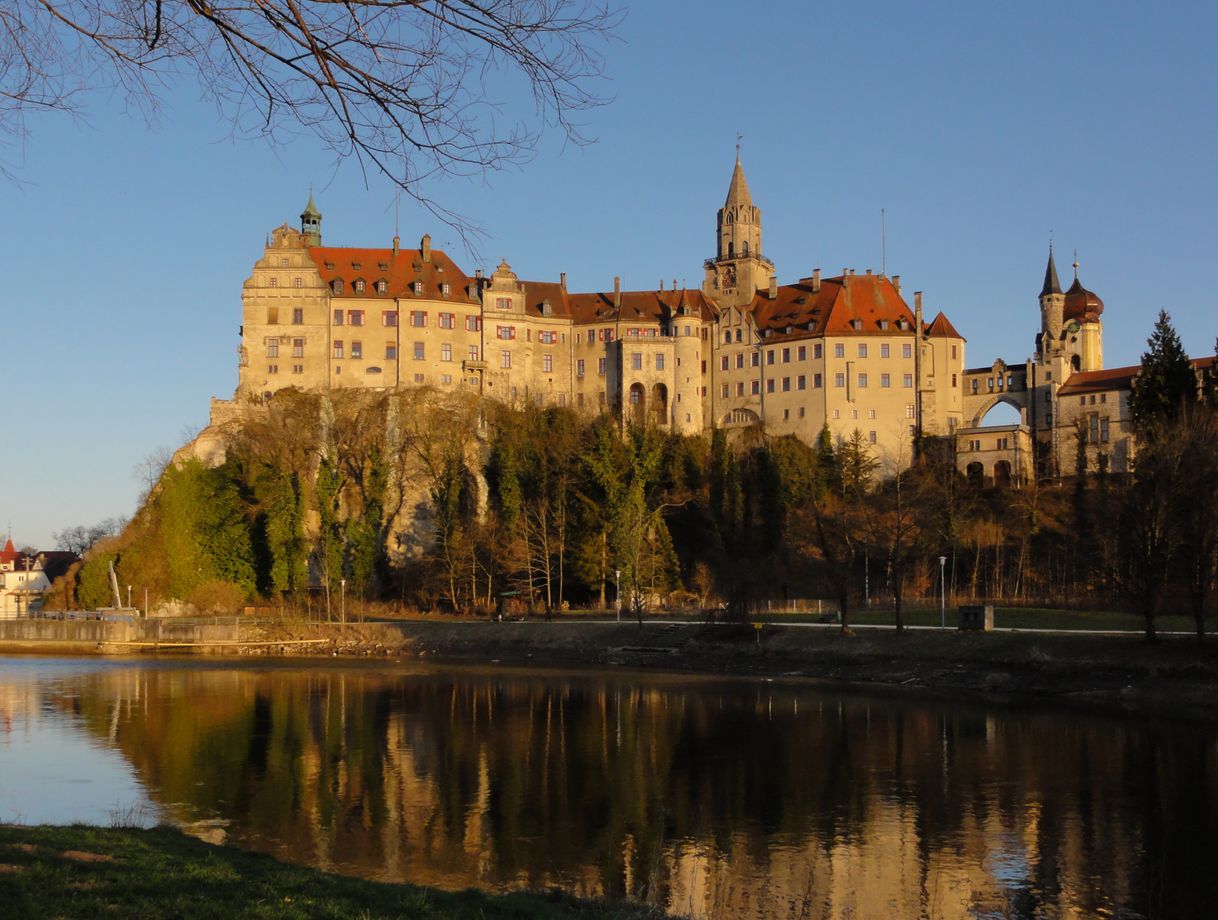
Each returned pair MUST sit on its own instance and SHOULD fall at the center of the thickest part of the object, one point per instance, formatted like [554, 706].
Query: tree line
[447, 502]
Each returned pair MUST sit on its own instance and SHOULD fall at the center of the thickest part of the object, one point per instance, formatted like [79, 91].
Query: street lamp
[942, 594]
[342, 603]
[617, 596]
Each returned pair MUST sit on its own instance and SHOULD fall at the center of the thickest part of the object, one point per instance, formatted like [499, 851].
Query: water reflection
[715, 799]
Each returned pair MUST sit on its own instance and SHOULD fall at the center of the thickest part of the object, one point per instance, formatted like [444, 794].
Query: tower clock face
[1072, 327]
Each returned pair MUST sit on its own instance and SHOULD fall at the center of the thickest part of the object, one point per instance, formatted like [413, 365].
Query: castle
[844, 351]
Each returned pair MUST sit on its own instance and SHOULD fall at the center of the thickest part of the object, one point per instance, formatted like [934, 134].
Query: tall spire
[1052, 285]
[310, 222]
[738, 191]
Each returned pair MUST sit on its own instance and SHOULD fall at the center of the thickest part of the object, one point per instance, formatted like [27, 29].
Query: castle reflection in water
[712, 798]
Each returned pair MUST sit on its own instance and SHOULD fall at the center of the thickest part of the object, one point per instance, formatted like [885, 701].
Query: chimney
[917, 312]
[674, 284]
[773, 287]
[562, 280]
[425, 247]
[896, 283]
[816, 281]
[397, 243]
[661, 284]
[617, 291]
[869, 271]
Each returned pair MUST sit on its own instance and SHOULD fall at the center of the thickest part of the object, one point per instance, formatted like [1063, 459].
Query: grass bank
[124, 872]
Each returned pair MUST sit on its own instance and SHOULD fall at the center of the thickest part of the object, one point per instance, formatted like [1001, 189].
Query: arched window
[731, 249]
[744, 248]
[739, 335]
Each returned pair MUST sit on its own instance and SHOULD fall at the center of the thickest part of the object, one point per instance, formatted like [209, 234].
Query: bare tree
[409, 88]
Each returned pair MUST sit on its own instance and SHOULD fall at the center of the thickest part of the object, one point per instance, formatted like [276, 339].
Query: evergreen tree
[1166, 384]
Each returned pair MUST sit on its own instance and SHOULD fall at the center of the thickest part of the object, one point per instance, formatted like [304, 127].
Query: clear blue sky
[979, 128]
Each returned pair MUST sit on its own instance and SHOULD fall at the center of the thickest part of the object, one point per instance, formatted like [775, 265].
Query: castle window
[445, 288]
[329, 266]
[660, 361]
[837, 413]
[600, 367]
[503, 303]
[418, 318]
[336, 286]
[884, 325]
[976, 385]
[389, 318]
[786, 356]
[419, 378]
[547, 363]
[907, 381]
[871, 414]
[297, 348]
[417, 287]
[357, 266]
[357, 349]
[391, 351]
[801, 382]
[839, 350]
[727, 337]
[359, 287]
[338, 348]
[953, 352]
[579, 368]
[731, 249]
[274, 282]
[740, 361]
[448, 320]
[473, 323]
[636, 361]
[284, 262]
[272, 368]
[297, 368]
[769, 357]
[473, 353]
[297, 316]
[786, 414]
[382, 286]
[885, 381]
[272, 348]
[839, 380]
[862, 381]
[272, 316]
[723, 363]
[801, 411]
[906, 350]
[871, 436]
[739, 389]
[739, 335]
[446, 352]
[723, 390]
[355, 317]
[338, 317]
[446, 378]
[786, 384]
[756, 360]
[744, 247]
[419, 351]
[862, 350]
[505, 332]
[297, 282]
[909, 410]
[755, 388]
[856, 325]
[816, 381]
[885, 350]
[505, 360]
[802, 353]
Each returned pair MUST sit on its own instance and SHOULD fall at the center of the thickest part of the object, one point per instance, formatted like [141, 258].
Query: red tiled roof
[941, 328]
[1112, 378]
[844, 305]
[640, 306]
[400, 272]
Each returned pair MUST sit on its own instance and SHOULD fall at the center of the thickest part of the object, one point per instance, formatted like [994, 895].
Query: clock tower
[738, 268]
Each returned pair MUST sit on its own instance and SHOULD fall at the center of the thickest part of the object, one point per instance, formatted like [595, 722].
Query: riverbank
[161, 873]
[1174, 677]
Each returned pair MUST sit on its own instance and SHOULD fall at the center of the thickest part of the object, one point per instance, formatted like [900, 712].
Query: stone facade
[845, 351]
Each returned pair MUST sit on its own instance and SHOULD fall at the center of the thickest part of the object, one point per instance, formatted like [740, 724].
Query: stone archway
[975, 473]
[1015, 402]
[659, 403]
[637, 398]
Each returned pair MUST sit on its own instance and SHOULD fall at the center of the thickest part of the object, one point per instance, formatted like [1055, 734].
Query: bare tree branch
[412, 89]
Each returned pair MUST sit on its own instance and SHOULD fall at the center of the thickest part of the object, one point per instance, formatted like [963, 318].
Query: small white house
[25, 576]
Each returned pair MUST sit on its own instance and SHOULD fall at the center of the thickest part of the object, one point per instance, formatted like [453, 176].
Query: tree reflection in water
[713, 798]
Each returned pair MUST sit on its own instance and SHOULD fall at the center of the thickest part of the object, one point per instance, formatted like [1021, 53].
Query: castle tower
[738, 269]
[310, 223]
[1052, 308]
[1084, 327]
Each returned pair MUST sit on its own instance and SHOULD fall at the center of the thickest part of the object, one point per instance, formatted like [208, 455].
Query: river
[715, 798]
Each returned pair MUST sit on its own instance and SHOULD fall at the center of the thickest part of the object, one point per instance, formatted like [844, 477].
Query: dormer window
[382, 286]
[383, 266]
[357, 266]
[329, 266]
[883, 324]
[444, 288]
[417, 287]
[336, 286]
[359, 287]
[856, 325]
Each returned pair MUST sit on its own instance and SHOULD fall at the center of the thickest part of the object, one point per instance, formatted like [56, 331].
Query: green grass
[131, 873]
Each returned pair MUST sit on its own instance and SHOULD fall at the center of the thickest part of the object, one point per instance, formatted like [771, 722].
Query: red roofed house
[25, 576]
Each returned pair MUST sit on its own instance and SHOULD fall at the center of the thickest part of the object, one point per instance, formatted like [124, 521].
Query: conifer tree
[1166, 383]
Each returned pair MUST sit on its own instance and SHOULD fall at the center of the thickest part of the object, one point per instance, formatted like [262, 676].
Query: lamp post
[617, 595]
[942, 594]
[342, 603]
[128, 597]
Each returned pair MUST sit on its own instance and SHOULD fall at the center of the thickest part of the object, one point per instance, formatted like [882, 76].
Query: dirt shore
[1172, 678]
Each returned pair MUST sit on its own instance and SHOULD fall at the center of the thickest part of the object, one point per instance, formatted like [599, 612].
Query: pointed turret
[738, 191]
[310, 223]
[1052, 286]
